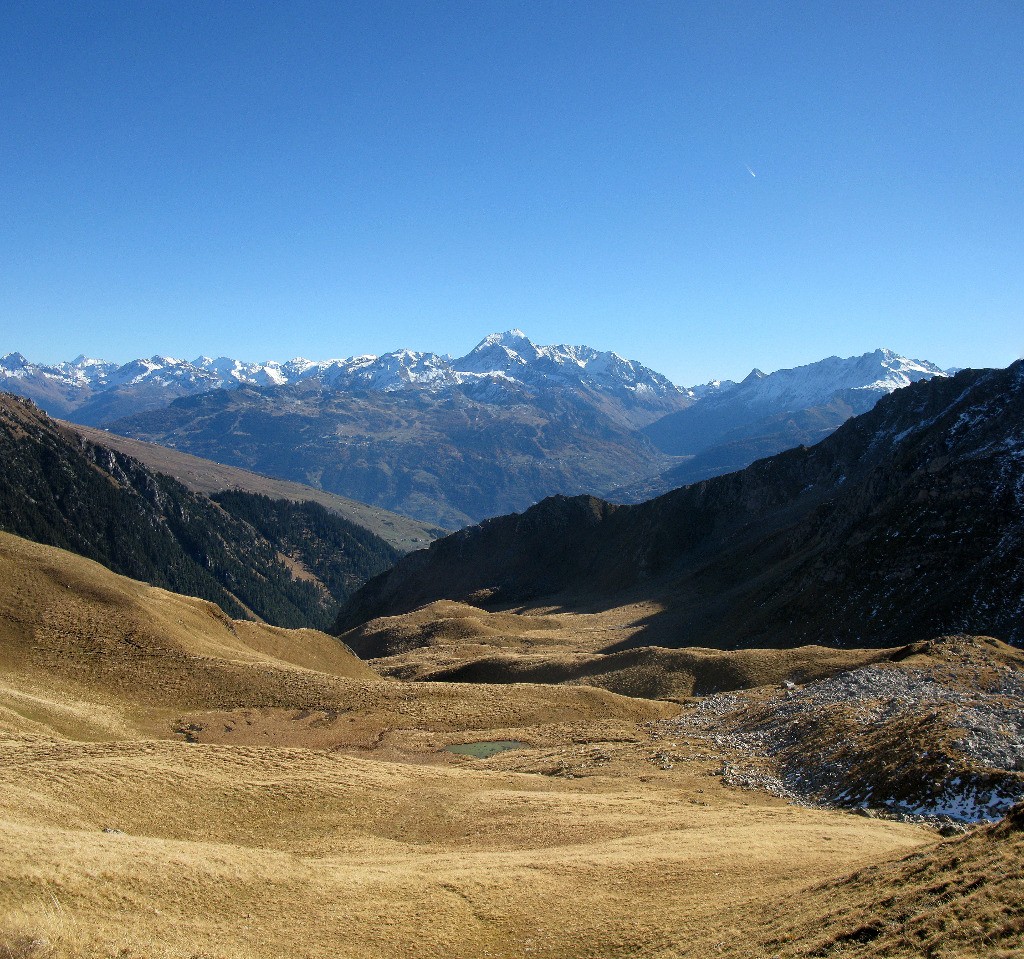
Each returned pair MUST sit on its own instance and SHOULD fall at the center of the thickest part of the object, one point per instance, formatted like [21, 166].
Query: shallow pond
[485, 750]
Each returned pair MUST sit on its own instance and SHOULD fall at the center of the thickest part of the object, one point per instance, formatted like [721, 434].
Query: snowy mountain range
[767, 413]
[511, 356]
[71, 388]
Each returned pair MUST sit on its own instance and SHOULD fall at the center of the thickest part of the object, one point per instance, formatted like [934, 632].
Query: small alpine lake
[486, 749]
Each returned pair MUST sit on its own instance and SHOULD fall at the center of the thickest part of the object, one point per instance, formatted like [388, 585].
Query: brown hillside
[173, 784]
[148, 652]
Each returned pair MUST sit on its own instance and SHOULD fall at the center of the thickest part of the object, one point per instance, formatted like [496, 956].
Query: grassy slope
[961, 899]
[452, 641]
[271, 797]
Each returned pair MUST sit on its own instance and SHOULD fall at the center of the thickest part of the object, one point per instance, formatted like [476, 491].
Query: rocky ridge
[937, 736]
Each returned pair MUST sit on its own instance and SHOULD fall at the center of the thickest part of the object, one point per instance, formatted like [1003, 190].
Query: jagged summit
[510, 338]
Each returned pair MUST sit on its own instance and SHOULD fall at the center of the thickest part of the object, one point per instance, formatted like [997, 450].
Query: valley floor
[145, 847]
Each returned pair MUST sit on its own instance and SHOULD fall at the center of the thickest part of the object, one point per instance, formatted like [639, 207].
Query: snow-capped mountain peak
[512, 340]
[13, 361]
[82, 361]
[802, 387]
[514, 355]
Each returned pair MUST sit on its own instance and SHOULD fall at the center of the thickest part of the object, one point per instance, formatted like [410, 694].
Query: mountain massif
[453, 441]
[448, 457]
[287, 563]
[903, 524]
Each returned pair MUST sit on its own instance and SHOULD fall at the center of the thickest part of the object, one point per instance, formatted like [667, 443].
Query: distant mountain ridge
[903, 524]
[881, 371]
[445, 457]
[77, 389]
[510, 355]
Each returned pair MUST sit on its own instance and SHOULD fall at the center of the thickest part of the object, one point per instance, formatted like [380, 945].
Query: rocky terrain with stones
[936, 736]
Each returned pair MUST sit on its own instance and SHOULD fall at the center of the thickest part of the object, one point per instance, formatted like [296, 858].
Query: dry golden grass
[963, 898]
[173, 784]
[446, 640]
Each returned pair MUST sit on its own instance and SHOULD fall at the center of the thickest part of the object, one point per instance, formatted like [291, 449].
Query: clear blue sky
[267, 180]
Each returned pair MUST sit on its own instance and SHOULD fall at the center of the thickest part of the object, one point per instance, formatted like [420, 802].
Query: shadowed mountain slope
[208, 477]
[903, 524]
[287, 563]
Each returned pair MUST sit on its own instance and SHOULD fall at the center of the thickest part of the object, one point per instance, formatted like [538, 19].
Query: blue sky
[267, 180]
